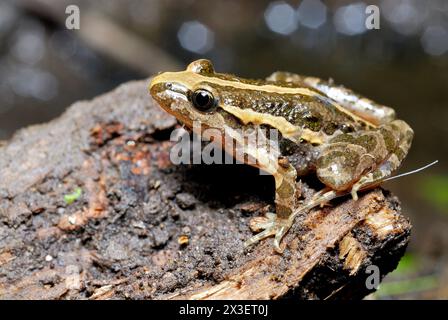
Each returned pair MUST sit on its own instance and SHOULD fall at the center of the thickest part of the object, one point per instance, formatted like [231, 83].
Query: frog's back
[301, 105]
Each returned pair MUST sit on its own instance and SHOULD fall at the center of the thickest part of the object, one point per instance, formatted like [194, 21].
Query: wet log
[92, 208]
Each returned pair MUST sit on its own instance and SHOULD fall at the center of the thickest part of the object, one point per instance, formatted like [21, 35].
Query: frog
[352, 142]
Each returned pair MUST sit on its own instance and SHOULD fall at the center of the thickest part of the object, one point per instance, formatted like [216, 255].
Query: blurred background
[44, 67]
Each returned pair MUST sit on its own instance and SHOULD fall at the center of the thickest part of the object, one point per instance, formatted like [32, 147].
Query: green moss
[72, 197]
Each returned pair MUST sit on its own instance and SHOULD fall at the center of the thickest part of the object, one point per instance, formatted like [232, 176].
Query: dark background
[44, 67]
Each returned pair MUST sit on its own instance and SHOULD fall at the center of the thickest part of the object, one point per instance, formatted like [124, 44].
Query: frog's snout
[155, 84]
[158, 86]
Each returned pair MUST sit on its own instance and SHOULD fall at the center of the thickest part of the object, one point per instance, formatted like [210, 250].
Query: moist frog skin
[356, 142]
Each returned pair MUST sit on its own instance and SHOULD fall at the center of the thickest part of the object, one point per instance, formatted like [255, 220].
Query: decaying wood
[142, 227]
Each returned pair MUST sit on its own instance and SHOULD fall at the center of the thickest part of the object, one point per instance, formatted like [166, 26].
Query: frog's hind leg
[350, 162]
[349, 154]
[355, 161]
[403, 136]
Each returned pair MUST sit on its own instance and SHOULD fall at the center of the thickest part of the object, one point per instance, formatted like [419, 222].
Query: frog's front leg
[285, 202]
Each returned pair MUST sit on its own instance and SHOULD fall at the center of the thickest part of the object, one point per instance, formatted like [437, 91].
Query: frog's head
[189, 95]
[199, 95]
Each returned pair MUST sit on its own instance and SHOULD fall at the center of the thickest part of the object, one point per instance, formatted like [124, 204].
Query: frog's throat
[263, 158]
[287, 129]
[193, 81]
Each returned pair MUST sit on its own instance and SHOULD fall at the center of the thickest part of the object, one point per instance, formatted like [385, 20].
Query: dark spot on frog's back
[312, 122]
[346, 127]
[330, 128]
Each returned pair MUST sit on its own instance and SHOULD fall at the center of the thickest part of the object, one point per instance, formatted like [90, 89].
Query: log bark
[92, 208]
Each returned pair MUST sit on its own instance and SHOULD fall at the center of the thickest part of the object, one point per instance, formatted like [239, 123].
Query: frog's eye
[203, 100]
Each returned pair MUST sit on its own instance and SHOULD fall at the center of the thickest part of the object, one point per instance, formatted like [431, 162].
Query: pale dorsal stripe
[192, 80]
[287, 129]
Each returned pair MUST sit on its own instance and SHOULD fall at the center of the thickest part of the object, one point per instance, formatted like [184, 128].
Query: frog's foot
[271, 226]
[318, 195]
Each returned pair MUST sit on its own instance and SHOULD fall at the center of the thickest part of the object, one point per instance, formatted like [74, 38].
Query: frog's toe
[258, 224]
[278, 238]
[260, 236]
[271, 226]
